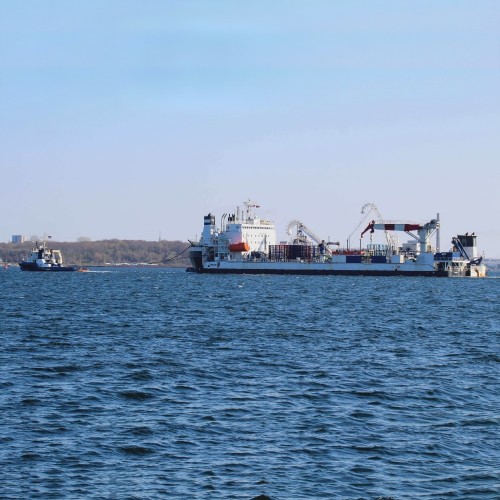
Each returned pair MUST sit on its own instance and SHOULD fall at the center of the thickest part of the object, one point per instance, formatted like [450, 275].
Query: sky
[133, 119]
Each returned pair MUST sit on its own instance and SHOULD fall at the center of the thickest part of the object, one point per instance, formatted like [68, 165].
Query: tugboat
[44, 259]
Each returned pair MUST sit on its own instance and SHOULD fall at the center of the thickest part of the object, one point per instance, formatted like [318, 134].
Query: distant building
[19, 238]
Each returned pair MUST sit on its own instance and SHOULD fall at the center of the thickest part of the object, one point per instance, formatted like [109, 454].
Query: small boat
[45, 259]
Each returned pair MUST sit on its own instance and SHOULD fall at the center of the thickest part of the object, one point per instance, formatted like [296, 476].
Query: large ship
[246, 243]
[45, 259]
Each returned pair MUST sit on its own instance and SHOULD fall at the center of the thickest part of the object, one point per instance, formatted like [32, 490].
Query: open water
[156, 383]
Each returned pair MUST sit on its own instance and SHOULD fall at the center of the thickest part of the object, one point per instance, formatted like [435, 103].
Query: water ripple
[147, 383]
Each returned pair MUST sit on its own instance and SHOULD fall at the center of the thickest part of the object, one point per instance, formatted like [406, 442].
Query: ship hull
[327, 272]
[312, 268]
[32, 266]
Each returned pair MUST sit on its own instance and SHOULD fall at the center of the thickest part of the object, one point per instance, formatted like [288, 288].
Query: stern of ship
[196, 258]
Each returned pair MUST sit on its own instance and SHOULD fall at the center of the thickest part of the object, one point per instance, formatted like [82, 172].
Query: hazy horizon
[132, 119]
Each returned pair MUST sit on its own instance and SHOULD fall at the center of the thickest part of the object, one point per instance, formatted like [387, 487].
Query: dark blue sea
[157, 383]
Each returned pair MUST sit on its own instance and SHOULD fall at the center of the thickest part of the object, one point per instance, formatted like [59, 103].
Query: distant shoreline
[108, 253]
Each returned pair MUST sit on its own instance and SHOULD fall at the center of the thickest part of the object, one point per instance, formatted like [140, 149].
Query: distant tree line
[107, 252]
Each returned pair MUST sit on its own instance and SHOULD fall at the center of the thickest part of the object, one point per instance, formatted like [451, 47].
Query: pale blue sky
[127, 118]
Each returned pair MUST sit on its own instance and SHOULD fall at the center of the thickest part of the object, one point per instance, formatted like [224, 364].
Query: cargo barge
[246, 243]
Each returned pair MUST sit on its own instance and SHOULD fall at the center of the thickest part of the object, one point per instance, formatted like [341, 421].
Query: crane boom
[368, 209]
[425, 231]
[390, 238]
[302, 230]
